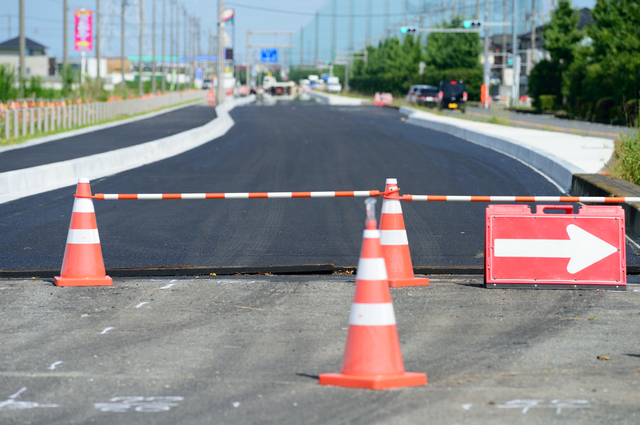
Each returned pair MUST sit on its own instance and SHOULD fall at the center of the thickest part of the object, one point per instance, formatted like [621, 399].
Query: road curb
[603, 185]
[333, 99]
[32, 181]
[555, 168]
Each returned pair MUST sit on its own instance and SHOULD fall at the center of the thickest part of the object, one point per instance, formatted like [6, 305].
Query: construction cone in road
[211, 97]
[376, 99]
[83, 264]
[372, 357]
[393, 238]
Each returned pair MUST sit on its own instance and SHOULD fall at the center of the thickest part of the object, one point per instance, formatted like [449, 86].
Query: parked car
[427, 96]
[411, 96]
[207, 84]
[452, 95]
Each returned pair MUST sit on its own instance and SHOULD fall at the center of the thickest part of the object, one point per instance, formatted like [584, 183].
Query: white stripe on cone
[83, 205]
[372, 269]
[391, 206]
[372, 314]
[393, 237]
[83, 236]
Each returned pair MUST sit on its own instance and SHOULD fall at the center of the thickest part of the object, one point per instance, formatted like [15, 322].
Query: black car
[427, 96]
[453, 95]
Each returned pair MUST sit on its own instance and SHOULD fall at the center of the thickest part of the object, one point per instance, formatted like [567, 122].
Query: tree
[453, 50]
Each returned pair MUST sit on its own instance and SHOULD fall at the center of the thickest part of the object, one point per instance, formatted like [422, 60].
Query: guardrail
[20, 120]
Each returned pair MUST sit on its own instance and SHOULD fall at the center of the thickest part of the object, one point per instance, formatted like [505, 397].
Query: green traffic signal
[403, 30]
[466, 24]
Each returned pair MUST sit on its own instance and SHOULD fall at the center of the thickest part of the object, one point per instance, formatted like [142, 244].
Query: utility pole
[478, 9]
[386, 17]
[533, 32]
[186, 35]
[315, 55]
[248, 76]
[351, 25]
[153, 47]
[9, 22]
[122, 85]
[504, 32]
[487, 68]
[220, 96]
[368, 25]
[332, 56]
[516, 63]
[140, 90]
[163, 67]
[23, 49]
[65, 34]
[301, 46]
[98, 40]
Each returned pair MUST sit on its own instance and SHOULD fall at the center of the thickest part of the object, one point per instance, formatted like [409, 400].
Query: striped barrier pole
[585, 199]
[245, 195]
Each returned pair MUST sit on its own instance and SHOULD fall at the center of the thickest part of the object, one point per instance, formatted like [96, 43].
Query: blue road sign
[269, 55]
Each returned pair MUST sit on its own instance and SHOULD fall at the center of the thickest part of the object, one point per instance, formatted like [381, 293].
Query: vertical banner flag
[227, 15]
[83, 34]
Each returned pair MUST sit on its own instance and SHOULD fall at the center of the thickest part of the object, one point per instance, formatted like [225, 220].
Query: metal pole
[487, 69]
[248, 62]
[186, 35]
[515, 84]
[315, 55]
[301, 46]
[220, 96]
[368, 25]
[533, 32]
[22, 48]
[504, 32]
[65, 35]
[333, 31]
[98, 40]
[351, 25]
[153, 47]
[140, 91]
[163, 66]
[122, 85]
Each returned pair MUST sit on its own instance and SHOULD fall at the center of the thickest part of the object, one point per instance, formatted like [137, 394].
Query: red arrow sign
[561, 249]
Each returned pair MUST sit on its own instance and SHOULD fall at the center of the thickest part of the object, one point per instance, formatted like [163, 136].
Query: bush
[548, 102]
[7, 77]
[627, 154]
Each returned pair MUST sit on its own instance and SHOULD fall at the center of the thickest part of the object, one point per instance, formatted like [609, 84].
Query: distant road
[108, 139]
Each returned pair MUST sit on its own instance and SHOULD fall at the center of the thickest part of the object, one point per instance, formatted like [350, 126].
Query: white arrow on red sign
[582, 248]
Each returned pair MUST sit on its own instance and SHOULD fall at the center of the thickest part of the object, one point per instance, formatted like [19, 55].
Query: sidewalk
[556, 155]
[24, 182]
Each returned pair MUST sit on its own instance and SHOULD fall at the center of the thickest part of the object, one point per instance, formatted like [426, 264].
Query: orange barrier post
[376, 99]
[372, 357]
[83, 264]
[393, 238]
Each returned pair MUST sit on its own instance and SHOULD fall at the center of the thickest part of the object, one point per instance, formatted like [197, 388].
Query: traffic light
[405, 30]
[327, 62]
[472, 24]
[510, 59]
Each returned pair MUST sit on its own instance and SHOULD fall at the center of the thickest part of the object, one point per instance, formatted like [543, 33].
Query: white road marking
[141, 304]
[106, 330]
[54, 364]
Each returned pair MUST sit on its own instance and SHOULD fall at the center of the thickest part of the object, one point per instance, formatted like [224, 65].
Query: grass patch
[37, 135]
[626, 164]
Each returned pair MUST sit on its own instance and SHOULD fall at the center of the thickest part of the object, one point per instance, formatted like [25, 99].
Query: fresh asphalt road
[108, 139]
[248, 350]
[285, 147]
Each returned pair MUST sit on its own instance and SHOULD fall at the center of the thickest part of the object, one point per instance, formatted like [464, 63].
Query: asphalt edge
[32, 181]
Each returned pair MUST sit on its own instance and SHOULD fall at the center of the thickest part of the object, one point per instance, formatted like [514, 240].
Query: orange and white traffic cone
[376, 99]
[372, 357]
[393, 238]
[83, 264]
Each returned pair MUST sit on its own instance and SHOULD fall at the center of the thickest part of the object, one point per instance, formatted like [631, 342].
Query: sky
[44, 21]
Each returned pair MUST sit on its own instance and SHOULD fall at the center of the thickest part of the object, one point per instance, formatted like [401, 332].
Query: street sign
[269, 55]
[554, 247]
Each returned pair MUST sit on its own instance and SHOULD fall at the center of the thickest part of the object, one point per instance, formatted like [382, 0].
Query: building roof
[14, 44]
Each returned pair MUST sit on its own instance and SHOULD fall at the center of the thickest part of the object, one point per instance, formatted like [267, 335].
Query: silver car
[413, 92]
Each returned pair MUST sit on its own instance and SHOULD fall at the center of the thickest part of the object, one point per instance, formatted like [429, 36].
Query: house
[37, 63]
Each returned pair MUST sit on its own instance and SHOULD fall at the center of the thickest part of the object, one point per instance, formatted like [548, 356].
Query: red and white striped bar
[247, 195]
[585, 199]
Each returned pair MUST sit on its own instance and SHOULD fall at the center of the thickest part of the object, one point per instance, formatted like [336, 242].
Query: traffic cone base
[415, 281]
[374, 382]
[84, 281]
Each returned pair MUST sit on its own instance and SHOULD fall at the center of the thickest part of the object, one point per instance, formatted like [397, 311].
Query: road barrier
[372, 356]
[23, 119]
[395, 247]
